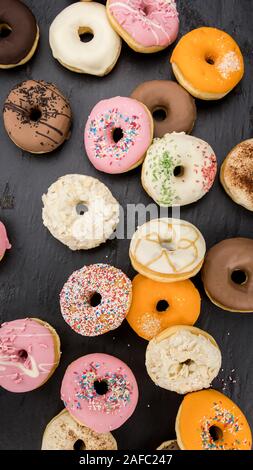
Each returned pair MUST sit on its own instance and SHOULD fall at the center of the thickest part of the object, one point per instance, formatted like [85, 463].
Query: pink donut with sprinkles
[99, 391]
[146, 25]
[118, 134]
[96, 299]
[29, 354]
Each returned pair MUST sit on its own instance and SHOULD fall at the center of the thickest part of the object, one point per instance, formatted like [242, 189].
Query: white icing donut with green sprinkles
[179, 169]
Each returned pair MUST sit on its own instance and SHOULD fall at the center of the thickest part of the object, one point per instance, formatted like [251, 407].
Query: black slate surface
[34, 271]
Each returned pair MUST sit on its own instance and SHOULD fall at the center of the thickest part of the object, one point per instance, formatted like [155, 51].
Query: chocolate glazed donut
[173, 108]
[37, 117]
[19, 33]
[227, 275]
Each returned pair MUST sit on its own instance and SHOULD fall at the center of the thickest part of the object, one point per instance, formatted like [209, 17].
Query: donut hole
[23, 355]
[178, 171]
[239, 277]
[210, 59]
[5, 30]
[159, 114]
[146, 10]
[117, 134]
[35, 114]
[101, 387]
[81, 208]
[95, 299]
[79, 445]
[216, 433]
[162, 306]
[85, 34]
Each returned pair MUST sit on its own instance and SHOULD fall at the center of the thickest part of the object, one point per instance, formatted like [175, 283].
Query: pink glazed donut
[118, 134]
[29, 354]
[4, 242]
[99, 391]
[146, 25]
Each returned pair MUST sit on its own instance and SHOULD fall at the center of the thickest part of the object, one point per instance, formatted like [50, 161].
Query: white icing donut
[167, 250]
[96, 57]
[179, 169]
[80, 211]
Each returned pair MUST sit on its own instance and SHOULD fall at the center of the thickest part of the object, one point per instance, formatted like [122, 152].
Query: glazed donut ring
[96, 57]
[64, 433]
[172, 107]
[19, 34]
[80, 211]
[183, 359]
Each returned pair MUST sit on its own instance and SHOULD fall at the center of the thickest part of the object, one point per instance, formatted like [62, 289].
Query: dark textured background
[34, 271]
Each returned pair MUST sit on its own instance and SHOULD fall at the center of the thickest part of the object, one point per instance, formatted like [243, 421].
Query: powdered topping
[229, 64]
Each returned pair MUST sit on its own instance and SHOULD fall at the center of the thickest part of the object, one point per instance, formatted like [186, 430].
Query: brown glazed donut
[37, 117]
[19, 33]
[172, 107]
[227, 275]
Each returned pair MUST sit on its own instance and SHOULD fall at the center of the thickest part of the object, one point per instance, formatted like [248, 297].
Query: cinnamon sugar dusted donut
[237, 174]
[96, 299]
[37, 117]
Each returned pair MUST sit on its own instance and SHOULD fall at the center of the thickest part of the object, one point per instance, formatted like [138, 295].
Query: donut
[158, 305]
[99, 391]
[95, 299]
[169, 445]
[37, 117]
[208, 63]
[183, 359]
[19, 34]
[83, 41]
[29, 354]
[80, 211]
[236, 174]
[4, 242]
[146, 25]
[227, 275]
[172, 107]
[117, 134]
[208, 420]
[167, 250]
[179, 169]
[64, 433]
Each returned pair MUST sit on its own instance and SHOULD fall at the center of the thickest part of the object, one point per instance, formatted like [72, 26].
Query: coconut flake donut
[64, 433]
[183, 359]
[99, 391]
[172, 107]
[237, 173]
[146, 25]
[19, 34]
[95, 299]
[208, 63]
[227, 275]
[179, 169]
[96, 57]
[4, 242]
[208, 420]
[37, 117]
[117, 134]
[158, 305]
[80, 211]
[29, 354]
[167, 250]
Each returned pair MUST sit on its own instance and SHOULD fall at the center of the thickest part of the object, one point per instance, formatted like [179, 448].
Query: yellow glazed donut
[208, 420]
[158, 305]
[208, 63]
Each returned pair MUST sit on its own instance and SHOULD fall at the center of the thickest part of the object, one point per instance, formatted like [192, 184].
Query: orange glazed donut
[208, 63]
[158, 305]
[208, 420]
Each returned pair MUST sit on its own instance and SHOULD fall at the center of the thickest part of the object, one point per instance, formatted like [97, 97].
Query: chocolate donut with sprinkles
[96, 299]
[37, 117]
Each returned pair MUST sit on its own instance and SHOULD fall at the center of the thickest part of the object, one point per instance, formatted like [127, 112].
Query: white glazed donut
[80, 211]
[97, 57]
[179, 169]
[167, 250]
